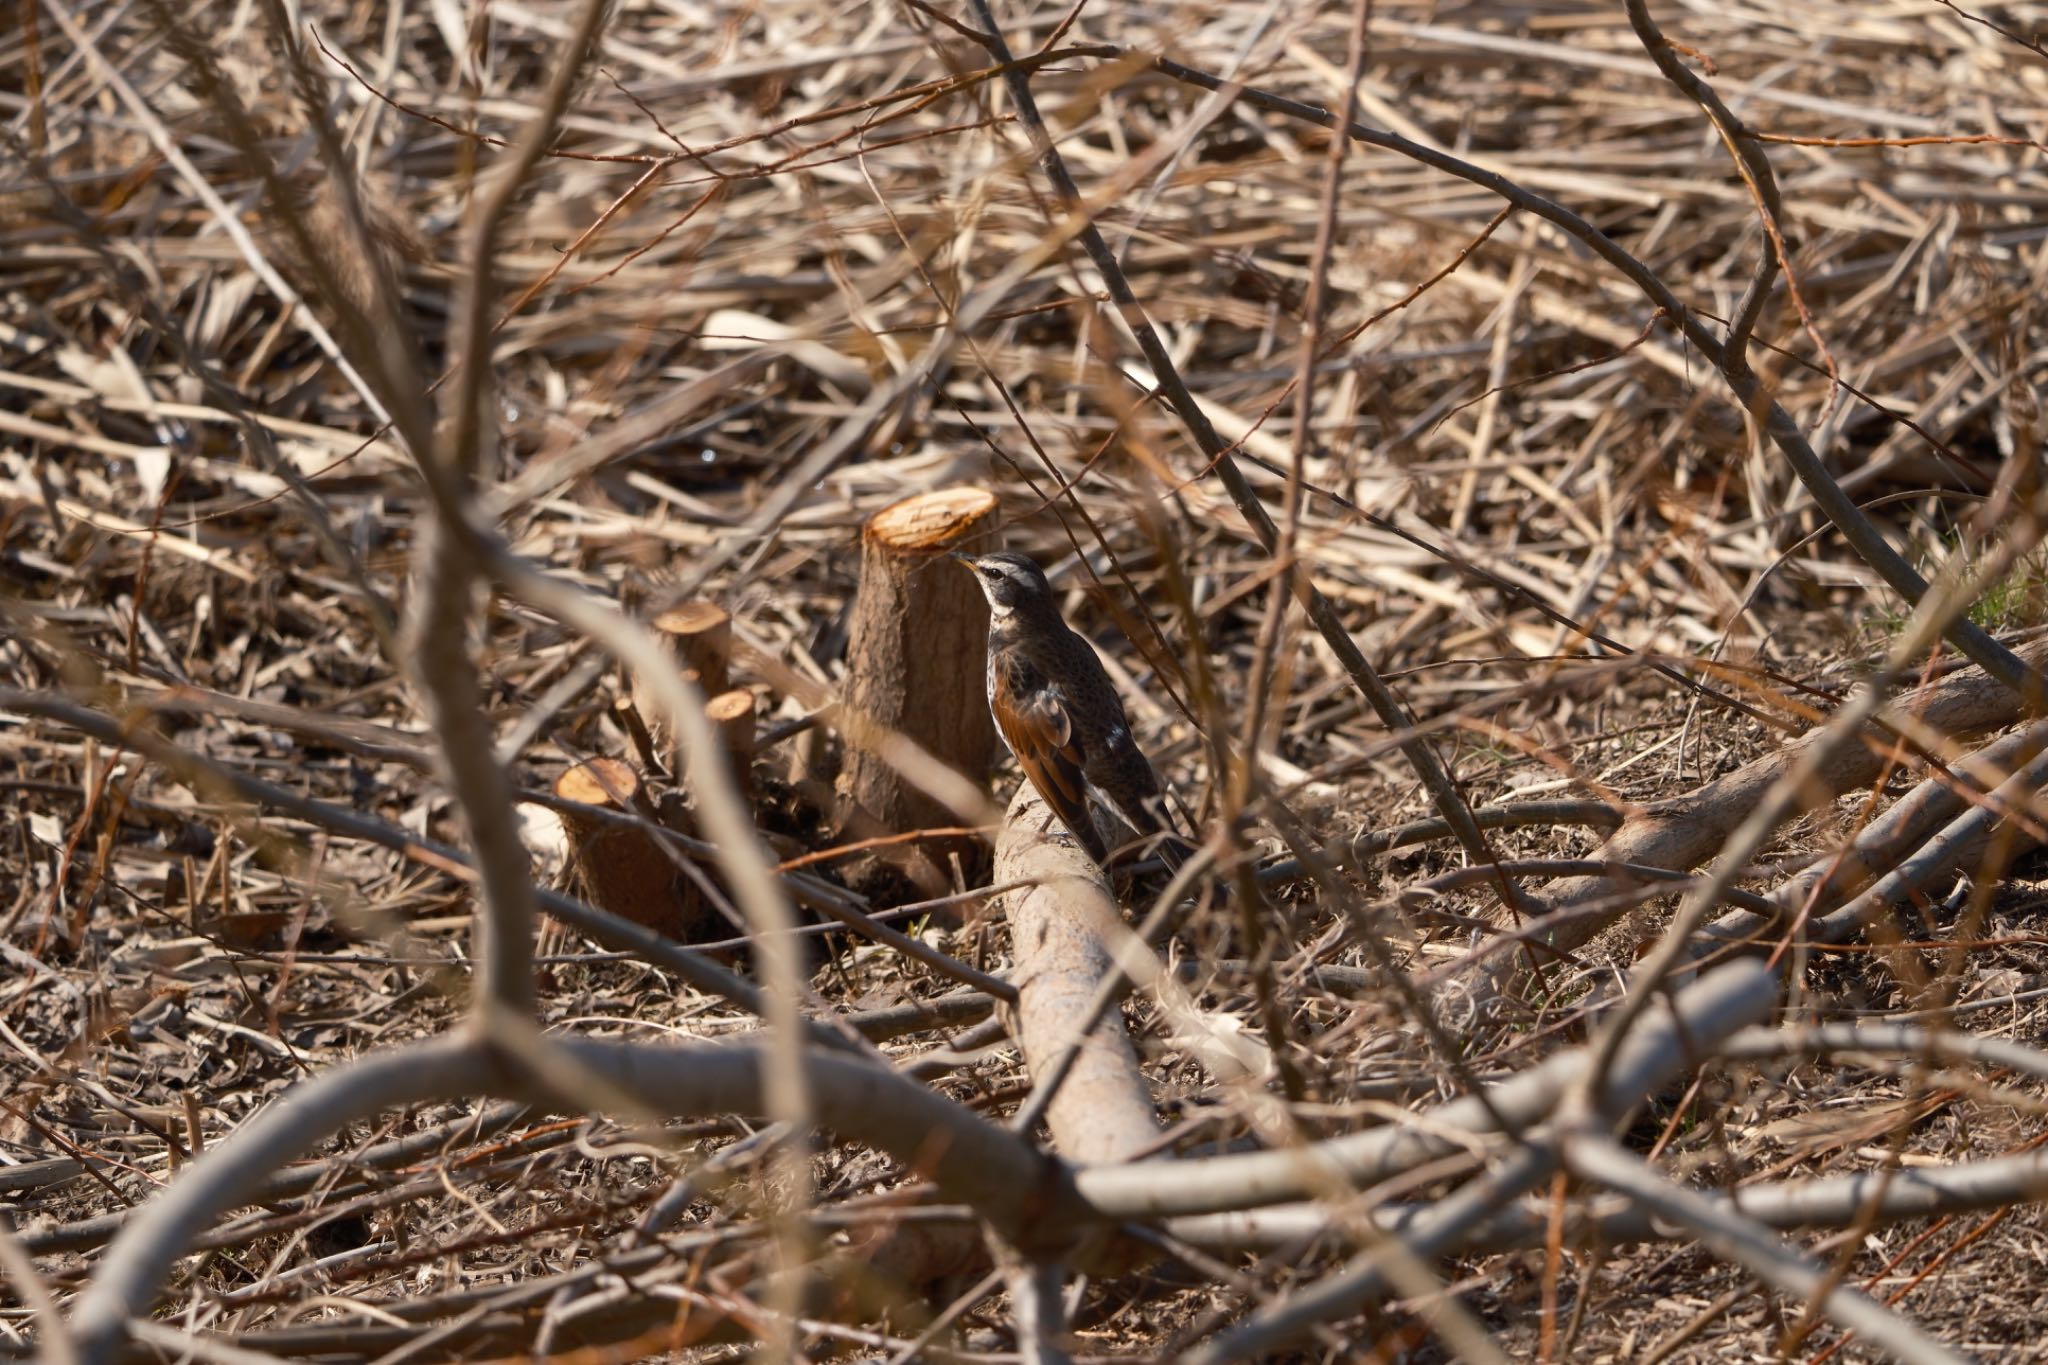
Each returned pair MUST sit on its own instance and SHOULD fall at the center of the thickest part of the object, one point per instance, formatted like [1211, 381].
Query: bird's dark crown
[1009, 580]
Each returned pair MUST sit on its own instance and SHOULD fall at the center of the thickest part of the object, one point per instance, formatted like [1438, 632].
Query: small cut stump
[622, 868]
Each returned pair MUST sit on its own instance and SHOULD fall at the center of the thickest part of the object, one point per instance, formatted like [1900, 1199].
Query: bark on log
[623, 869]
[915, 664]
[1103, 1112]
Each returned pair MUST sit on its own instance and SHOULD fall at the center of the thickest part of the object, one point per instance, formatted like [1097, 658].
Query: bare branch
[1664, 1043]
[1731, 1236]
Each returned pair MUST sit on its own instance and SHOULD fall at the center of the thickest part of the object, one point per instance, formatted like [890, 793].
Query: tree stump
[621, 868]
[916, 657]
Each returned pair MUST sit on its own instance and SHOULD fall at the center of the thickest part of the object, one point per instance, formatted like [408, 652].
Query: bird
[1060, 715]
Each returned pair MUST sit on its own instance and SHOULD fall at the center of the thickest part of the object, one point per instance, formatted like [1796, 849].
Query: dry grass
[746, 193]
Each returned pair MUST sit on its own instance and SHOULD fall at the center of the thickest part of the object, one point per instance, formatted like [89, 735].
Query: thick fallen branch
[1699, 1021]
[1866, 1198]
[1662, 1046]
[1022, 1193]
[1103, 1110]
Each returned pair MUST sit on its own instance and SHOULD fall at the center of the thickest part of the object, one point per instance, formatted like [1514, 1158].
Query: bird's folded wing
[1040, 733]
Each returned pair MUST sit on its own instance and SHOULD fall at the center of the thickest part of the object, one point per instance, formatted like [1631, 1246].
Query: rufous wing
[1041, 734]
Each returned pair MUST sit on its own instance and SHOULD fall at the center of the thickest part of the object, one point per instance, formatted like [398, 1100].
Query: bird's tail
[1169, 848]
[1158, 836]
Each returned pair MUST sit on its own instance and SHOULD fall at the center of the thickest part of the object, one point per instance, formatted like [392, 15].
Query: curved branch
[1932, 1045]
[1027, 1196]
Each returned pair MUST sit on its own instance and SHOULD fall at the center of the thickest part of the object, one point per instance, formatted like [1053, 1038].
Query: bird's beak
[968, 560]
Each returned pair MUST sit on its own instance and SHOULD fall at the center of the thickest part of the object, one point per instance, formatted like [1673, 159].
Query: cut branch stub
[699, 636]
[622, 868]
[915, 664]
[732, 717]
